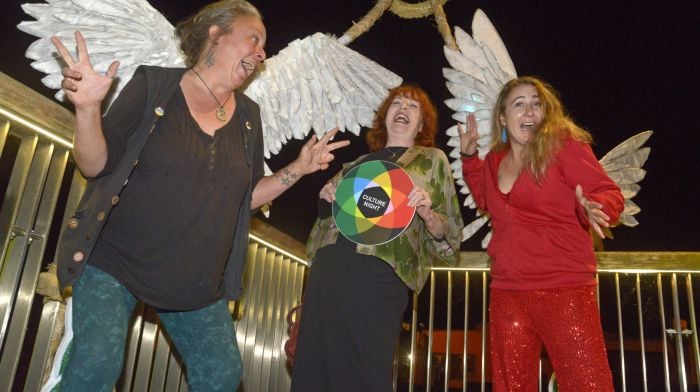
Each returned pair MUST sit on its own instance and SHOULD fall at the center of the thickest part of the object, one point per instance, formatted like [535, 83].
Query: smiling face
[240, 52]
[522, 114]
[403, 121]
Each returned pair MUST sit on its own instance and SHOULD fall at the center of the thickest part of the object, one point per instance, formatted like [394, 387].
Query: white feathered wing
[129, 31]
[478, 71]
[315, 82]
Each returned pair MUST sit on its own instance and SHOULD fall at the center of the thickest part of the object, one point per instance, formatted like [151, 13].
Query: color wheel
[370, 205]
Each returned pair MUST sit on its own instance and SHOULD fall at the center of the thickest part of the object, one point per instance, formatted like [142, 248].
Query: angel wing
[315, 82]
[318, 83]
[624, 165]
[132, 32]
[479, 69]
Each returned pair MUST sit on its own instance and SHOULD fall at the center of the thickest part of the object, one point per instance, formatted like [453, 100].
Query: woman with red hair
[356, 294]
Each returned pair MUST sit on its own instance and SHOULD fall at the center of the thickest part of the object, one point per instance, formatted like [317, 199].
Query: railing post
[678, 331]
[641, 331]
[414, 331]
[620, 331]
[693, 325]
[431, 315]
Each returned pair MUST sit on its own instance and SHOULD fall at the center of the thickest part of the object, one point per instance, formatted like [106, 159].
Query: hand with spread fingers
[594, 211]
[82, 84]
[468, 136]
[317, 154]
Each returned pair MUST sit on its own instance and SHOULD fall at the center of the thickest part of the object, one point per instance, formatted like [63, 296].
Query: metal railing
[647, 302]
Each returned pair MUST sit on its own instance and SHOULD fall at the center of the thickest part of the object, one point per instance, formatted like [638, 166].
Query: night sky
[620, 67]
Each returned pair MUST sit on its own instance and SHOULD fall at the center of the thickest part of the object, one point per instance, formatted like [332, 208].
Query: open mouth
[528, 126]
[248, 65]
[401, 118]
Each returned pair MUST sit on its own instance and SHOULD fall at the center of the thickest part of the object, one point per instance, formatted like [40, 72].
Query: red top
[540, 231]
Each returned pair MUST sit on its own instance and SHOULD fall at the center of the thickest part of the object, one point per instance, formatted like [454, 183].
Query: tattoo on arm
[287, 177]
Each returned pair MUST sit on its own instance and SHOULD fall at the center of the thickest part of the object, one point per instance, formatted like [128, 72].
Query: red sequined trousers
[566, 321]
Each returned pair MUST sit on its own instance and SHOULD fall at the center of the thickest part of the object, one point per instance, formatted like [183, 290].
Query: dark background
[620, 67]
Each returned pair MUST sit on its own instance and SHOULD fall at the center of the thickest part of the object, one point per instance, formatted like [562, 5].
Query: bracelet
[464, 155]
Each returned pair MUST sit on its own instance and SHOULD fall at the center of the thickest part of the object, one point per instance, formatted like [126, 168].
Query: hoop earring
[504, 135]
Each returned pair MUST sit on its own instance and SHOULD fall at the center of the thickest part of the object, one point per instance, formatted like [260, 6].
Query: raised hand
[317, 154]
[468, 135]
[596, 216]
[84, 86]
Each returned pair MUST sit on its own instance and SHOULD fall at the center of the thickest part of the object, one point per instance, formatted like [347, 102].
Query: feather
[631, 144]
[474, 226]
[486, 35]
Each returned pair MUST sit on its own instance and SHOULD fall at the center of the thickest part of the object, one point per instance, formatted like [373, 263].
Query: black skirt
[351, 321]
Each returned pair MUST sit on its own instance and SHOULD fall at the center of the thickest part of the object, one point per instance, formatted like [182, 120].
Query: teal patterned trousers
[102, 310]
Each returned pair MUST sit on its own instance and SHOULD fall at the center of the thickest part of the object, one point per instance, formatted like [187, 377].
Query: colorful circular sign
[371, 203]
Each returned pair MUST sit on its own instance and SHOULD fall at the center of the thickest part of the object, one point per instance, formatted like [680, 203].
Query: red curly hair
[376, 137]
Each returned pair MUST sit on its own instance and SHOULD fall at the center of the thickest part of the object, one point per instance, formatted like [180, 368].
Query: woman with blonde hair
[544, 191]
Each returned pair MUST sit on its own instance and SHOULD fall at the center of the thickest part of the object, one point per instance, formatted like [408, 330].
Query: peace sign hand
[318, 153]
[82, 84]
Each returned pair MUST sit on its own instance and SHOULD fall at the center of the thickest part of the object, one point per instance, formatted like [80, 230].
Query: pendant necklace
[220, 111]
[394, 151]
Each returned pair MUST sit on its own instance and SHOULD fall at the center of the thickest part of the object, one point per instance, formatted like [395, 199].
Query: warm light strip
[277, 249]
[647, 271]
[605, 270]
[37, 129]
[454, 269]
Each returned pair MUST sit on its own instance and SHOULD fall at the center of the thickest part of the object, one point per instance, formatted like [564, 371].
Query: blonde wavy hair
[555, 127]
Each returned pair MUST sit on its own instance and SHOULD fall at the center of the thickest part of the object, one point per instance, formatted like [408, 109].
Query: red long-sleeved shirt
[540, 231]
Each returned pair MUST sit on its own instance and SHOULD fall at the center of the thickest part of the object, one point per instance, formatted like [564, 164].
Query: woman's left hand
[420, 198]
[317, 154]
[596, 217]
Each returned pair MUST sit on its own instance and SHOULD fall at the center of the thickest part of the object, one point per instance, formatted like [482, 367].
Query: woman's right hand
[468, 135]
[81, 83]
[327, 192]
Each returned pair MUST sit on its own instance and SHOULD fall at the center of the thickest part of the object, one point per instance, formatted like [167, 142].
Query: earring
[504, 135]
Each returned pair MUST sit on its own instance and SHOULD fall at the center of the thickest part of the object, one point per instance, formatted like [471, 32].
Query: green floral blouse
[415, 250]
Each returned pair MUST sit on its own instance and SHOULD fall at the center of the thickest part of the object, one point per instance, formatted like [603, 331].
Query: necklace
[220, 111]
[394, 151]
